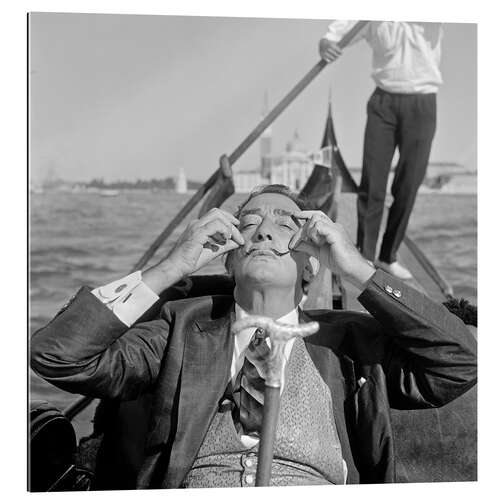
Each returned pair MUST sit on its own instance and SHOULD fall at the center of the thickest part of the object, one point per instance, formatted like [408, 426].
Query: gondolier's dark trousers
[408, 122]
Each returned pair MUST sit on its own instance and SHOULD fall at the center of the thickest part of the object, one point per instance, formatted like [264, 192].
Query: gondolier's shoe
[396, 269]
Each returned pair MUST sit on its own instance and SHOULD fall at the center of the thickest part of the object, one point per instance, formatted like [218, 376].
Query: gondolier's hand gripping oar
[279, 334]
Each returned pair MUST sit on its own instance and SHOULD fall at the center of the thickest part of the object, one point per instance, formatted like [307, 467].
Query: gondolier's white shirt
[406, 55]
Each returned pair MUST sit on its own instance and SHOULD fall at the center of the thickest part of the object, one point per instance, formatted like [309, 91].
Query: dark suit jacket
[411, 352]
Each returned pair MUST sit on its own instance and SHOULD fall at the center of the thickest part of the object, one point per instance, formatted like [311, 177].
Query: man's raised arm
[90, 347]
[428, 354]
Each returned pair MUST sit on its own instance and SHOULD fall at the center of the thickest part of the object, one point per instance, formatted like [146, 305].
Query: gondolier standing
[401, 113]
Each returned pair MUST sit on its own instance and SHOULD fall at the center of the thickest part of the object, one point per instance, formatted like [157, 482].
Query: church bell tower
[265, 144]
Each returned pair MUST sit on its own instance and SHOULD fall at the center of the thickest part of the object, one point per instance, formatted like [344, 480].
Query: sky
[129, 96]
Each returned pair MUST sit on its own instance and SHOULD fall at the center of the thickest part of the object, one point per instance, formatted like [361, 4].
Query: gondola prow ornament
[279, 334]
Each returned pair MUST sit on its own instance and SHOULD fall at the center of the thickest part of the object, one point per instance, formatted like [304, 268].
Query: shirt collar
[242, 338]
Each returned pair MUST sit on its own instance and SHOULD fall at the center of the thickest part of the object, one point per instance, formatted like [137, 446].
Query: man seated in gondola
[205, 383]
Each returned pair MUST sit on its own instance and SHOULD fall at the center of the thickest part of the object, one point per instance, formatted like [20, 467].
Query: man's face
[267, 227]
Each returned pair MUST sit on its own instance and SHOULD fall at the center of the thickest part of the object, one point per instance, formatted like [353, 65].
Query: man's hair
[276, 189]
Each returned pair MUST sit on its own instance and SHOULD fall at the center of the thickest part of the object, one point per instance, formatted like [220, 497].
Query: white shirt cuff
[129, 298]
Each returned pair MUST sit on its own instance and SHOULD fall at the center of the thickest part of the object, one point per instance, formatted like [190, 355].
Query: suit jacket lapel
[335, 370]
[205, 373]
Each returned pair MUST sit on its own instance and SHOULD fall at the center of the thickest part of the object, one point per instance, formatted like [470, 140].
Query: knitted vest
[306, 449]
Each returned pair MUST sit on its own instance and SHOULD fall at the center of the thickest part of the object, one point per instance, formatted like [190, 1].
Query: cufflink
[361, 382]
[120, 288]
[115, 290]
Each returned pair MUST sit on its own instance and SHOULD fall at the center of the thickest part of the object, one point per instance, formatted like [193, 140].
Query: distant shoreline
[116, 192]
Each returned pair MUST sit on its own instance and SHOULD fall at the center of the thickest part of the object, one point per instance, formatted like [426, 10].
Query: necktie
[248, 394]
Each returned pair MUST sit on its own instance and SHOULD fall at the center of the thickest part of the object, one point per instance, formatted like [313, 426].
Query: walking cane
[279, 335]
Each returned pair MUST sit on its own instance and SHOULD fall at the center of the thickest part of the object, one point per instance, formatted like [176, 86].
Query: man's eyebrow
[276, 211]
[257, 211]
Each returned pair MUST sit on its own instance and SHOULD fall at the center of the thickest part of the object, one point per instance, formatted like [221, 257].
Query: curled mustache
[273, 250]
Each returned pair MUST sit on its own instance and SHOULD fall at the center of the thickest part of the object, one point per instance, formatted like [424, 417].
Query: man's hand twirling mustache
[329, 242]
[214, 234]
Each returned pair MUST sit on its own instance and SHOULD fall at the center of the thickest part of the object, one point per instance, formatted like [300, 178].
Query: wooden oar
[247, 142]
[422, 259]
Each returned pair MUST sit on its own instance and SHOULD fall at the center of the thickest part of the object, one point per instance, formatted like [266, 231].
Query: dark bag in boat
[51, 462]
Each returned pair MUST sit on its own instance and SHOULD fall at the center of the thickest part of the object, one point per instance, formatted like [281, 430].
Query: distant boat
[36, 190]
[109, 192]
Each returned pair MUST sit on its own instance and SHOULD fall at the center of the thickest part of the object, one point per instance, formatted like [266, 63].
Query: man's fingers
[218, 232]
[331, 55]
[313, 231]
[211, 228]
[308, 248]
[329, 50]
[319, 226]
[211, 246]
[231, 221]
[229, 217]
[312, 234]
[221, 238]
[218, 238]
[222, 226]
[293, 240]
[302, 234]
[220, 249]
[304, 214]
[307, 214]
[217, 213]
[336, 51]
[313, 217]
[230, 245]
[296, 237]
[236, 236]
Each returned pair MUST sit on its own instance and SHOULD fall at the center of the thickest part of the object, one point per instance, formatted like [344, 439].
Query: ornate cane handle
[279, 334]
